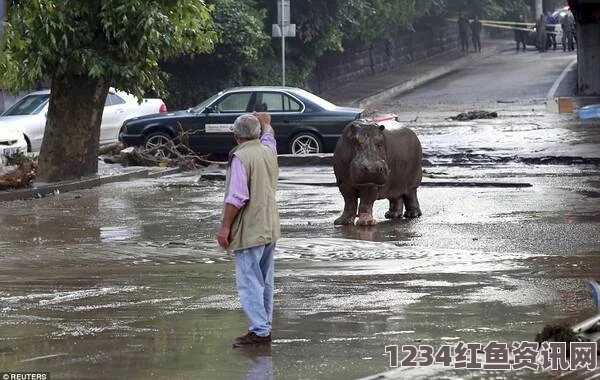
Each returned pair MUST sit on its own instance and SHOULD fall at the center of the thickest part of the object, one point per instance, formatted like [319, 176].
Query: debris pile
[21, 176]
[174, 153]
[472, 115]
[585, 331]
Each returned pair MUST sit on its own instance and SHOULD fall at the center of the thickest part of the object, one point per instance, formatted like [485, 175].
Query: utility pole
[283, 29]
[539, 8]
[283, 41]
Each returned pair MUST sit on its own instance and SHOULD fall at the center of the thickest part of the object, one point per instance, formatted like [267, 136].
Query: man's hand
[265, 123]
[223, 237]
[264, 118]
[229, 215]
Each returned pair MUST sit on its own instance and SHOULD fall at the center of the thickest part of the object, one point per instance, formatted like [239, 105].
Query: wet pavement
[126, 280]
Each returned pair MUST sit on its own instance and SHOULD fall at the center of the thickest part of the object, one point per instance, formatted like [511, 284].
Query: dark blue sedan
[303, 122]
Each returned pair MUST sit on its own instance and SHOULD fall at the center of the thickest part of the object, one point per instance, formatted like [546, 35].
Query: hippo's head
[368, 166]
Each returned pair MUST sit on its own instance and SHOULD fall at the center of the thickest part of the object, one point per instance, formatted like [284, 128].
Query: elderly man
[250, 225]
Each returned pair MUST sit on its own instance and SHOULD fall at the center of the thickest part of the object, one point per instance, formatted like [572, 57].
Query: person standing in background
[521, 34]
[463, 33]
[551, 23]
[476, 34]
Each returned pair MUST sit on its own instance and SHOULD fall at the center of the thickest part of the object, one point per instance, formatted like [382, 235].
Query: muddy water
[126, 281]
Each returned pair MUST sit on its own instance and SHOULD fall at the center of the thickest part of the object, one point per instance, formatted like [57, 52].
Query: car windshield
[29, 105]
[203, 105]
[315, 99]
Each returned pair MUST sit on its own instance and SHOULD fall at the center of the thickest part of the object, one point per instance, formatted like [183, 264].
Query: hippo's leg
[395, 210]
[411, 203]
[350, 205]
[365, 211]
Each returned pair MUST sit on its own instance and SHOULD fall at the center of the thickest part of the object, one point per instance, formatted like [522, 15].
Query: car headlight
[8, 142]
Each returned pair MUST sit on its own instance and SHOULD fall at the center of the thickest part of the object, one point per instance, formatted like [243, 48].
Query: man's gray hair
[247, 127]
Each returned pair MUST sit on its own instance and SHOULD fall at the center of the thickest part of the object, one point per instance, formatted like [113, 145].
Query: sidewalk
[406, 78]
[562, 97]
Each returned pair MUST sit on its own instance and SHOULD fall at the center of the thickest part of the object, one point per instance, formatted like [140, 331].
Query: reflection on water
[262, 362]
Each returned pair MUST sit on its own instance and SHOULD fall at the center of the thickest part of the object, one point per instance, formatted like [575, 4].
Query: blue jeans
[254, 272]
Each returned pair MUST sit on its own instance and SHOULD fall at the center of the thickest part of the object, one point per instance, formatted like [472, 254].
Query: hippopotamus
[373, 162]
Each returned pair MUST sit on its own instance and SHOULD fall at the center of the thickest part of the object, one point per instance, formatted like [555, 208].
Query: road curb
[562, 97]
[407, 86]
[43, 190]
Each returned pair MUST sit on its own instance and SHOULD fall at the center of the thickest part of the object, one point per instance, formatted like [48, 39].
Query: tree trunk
[71, 138]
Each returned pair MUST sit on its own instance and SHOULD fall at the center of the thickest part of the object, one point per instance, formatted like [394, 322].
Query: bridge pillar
[587, 16]
[588, 59]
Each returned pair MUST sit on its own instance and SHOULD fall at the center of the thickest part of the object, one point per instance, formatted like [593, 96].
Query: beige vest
[257, 223]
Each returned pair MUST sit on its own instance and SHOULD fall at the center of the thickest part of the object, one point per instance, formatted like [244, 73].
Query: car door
[112, 118]
[218, 129]
[286, 114]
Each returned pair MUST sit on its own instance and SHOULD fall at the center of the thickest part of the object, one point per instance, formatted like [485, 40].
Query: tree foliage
[321, 26]
[238, 51]
[85, 46]
[122, 41]
[491, 9]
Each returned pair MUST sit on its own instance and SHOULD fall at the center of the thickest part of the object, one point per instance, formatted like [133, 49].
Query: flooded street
[126, 281]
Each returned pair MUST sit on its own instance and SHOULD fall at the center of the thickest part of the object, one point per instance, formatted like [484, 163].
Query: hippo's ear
[351, 132]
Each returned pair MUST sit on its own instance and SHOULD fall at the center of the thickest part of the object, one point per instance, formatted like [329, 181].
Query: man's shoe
[251, 339]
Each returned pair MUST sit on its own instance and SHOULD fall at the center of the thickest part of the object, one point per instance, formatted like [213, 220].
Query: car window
[201, 106]
[237, 102]
[114, 100]
[277, 102]
[29, 105]
[317, 100]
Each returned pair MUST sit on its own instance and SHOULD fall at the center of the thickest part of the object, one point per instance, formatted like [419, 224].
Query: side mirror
[209, 109]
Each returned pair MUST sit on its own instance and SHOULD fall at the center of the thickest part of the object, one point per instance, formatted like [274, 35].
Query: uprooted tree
[86, 46]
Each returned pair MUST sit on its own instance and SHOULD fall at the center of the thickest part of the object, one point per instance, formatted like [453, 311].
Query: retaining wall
[335, 69]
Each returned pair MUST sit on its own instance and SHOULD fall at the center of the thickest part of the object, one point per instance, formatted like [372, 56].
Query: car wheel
[157, 139]
[305, 143]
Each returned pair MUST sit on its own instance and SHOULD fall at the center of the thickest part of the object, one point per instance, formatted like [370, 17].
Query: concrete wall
[335, 69]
